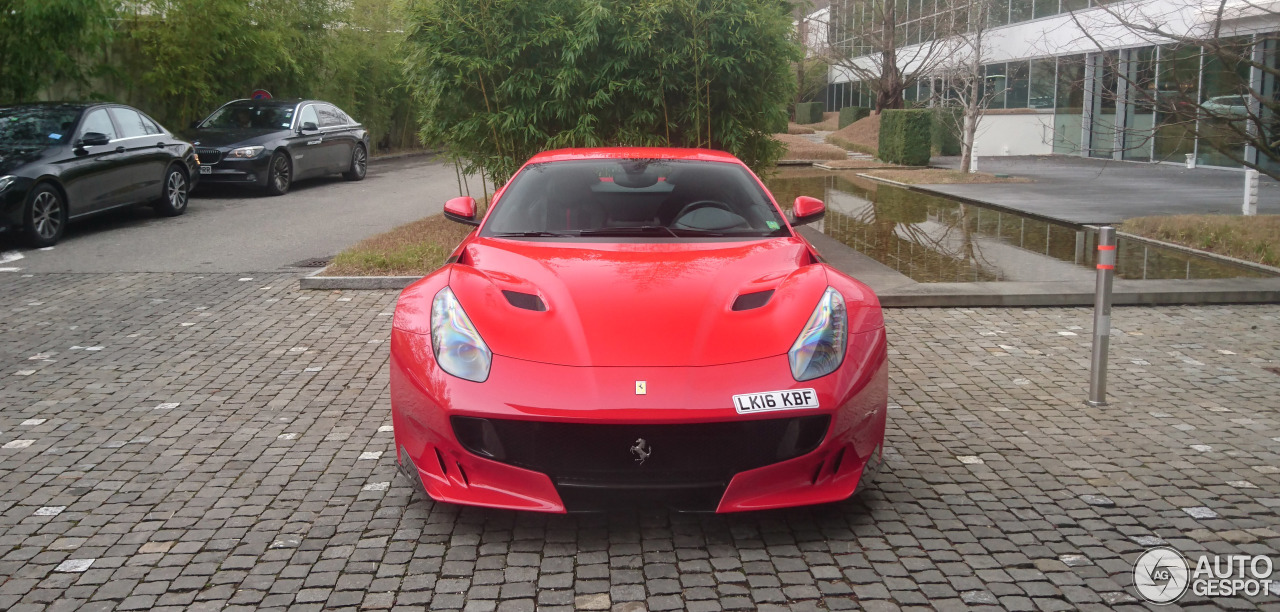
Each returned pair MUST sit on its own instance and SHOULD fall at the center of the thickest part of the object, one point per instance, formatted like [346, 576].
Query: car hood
[12, 157]
[637, 304]
[219, 138]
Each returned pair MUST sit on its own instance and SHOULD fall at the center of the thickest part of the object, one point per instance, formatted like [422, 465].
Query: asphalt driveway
[236, 230]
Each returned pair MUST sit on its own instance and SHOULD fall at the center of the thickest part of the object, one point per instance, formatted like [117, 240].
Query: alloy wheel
[361, 162]
[281, 171]
[46, 215]
[177, 189]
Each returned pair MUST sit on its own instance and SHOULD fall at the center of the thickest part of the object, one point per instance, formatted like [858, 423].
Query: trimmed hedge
[851, 114]
[906, 136]
[809, 112]
[946, 130]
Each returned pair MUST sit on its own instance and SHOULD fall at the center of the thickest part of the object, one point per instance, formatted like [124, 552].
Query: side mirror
[310, 126]
[195, 124]
[807, 210]
[462, 210]
[93, 139]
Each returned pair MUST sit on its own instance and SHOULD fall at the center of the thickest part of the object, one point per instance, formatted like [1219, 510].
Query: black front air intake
[692, 462]
[751, 301]
[527, 301]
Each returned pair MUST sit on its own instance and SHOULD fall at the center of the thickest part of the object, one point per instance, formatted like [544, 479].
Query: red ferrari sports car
[635, 326]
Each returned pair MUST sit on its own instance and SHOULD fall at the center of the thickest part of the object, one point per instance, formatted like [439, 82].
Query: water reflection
[934, 239]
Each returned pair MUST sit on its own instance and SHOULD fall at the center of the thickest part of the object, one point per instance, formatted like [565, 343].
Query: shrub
[851, 114]
[946, 130]
[809, 112]
[501, 80]
[906, 137]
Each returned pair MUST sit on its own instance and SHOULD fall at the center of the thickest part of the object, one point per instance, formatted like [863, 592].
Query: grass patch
[830, 122]
[1255, 239]
[796, 128]
[799, 147]
[413, 249]
[939, 176]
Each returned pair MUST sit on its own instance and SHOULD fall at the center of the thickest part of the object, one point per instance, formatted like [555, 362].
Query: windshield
[36, 125]
[250, 116]
[634, 197]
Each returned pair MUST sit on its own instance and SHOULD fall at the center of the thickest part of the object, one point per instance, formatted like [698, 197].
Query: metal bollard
[1106, 261]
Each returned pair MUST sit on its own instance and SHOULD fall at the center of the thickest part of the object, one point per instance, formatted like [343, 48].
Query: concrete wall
[1015, 134]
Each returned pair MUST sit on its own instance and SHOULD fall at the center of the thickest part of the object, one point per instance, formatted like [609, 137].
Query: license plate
[206, 169]
[792, 399]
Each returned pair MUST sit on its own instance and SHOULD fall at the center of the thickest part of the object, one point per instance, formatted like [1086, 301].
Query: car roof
[633, 153]
[77, 105]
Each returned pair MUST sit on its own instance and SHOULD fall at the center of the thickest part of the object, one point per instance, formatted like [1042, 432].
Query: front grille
[208, 156]
[601, 456]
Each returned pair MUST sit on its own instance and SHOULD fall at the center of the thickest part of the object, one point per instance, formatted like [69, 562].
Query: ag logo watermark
[1163, 575]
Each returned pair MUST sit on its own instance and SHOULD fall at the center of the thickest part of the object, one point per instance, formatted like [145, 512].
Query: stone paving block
[213, 466]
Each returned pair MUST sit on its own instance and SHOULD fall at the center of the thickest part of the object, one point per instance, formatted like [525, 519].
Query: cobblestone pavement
[176, 441]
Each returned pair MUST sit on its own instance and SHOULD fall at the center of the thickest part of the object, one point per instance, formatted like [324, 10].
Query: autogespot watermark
[1163, 575]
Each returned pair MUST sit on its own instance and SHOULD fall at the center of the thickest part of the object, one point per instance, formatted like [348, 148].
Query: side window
[308, 115]
[330, 116]
[98, 121]
[130, 122]
[151, 126]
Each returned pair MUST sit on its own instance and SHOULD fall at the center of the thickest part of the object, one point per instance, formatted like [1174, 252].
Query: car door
[94, 176]
[338, 138]
[305, 146]
[144, 159]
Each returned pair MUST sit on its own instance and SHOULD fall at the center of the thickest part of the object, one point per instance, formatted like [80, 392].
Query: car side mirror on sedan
[462, 210]
[806, 210]
[309, 126]
[92, 139]
[195, 124]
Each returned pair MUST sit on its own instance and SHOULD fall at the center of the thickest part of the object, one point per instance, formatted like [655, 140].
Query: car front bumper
[563, 435]
[252, 172]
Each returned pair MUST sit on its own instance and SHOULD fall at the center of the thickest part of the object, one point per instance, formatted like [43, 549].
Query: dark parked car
[272, 143]
[60, 161]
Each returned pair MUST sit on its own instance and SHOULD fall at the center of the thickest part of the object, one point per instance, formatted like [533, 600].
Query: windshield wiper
[629, 231]
[530, 235]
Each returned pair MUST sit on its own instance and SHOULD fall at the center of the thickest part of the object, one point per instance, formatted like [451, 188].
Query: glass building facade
[1142, 103]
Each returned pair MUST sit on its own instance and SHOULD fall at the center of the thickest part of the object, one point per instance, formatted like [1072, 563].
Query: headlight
[820, 348]
[245, 152]
[5, 181]
[458, 347]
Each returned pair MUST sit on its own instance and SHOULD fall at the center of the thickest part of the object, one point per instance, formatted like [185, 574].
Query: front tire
[359, 164]
[177, 192]
[280, 176]
[44, 218]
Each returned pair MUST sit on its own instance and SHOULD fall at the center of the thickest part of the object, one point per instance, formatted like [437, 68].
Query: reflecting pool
[940, 240]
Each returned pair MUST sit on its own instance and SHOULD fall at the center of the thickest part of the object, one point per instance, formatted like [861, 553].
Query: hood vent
[751, 301]
[526, 301]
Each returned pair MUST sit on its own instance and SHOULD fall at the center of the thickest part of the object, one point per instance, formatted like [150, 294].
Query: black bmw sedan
[61, 161]
[272, 143]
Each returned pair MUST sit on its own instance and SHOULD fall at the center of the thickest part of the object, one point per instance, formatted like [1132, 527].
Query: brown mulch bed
[940, 176]
[862, 135]
[799, 147]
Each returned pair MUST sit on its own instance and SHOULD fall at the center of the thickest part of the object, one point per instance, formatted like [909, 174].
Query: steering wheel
[700, 204]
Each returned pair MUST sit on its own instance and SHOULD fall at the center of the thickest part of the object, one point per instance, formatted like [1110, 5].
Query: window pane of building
[1177, 81]
[999, 13]
[994, 84]
[1017, 94]
[1020, 10]
[1069, 102]
[1044, 8]
[1074, 5]
[1222, 107]
[1140, 83]
[1042, 82]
